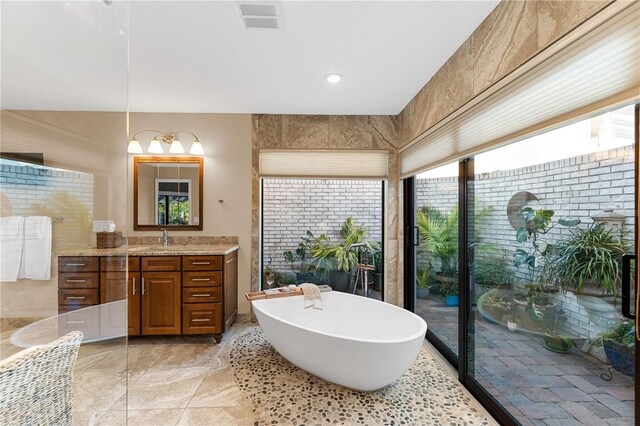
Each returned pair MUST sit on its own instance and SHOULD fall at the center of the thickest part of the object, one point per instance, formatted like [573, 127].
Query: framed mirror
[167, 193]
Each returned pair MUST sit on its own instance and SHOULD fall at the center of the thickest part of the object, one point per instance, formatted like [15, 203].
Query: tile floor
[536, 385]
[162, 381]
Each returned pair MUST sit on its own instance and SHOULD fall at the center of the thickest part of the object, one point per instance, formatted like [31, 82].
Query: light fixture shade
[134, 147]
[196, 148]
[155, 147]
[176, 147]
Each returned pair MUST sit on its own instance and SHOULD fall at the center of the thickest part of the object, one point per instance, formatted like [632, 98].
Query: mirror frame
[136, 161]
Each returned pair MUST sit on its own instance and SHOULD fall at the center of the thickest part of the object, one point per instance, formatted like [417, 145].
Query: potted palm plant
[334, 262]
[439, 233]
[450, 292]
[423, 280]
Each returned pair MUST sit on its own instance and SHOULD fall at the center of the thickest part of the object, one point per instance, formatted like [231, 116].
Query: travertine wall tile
[349, 131]
[514, 32]
[304, 131]
[505, 40]
[557, 17]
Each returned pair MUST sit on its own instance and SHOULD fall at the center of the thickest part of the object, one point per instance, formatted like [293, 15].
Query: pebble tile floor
[173, 381]
[537, 386]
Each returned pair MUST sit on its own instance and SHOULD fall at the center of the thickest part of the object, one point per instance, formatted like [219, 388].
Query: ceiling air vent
[260, 14]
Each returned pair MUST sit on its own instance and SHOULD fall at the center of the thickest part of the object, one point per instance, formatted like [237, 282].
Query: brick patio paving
[537, 386]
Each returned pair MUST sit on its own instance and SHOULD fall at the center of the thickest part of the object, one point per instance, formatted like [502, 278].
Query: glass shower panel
[553, 219]
[64, 99]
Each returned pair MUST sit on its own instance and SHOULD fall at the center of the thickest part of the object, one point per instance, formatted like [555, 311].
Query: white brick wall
[293, 206]
[578, 187]
[30, 191]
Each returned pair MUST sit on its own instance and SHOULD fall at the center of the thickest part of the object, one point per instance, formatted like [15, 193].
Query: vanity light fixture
[333, 78]
[171, 139]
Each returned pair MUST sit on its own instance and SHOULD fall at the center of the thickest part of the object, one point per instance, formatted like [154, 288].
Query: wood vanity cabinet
[166, 295]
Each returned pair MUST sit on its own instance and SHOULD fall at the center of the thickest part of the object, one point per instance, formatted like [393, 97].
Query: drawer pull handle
[201, 295]
[134, 285]
[75, 264]
[76, 281]
[143, 286]
[200, 279]
[75, 322]
[76, 297]
[201, 263]
[201, 320]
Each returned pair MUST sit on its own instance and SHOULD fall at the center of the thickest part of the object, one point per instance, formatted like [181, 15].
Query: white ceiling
[197, 57]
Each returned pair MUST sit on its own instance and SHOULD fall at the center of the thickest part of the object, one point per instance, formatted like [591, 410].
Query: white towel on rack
[11, 247]
[36, 260]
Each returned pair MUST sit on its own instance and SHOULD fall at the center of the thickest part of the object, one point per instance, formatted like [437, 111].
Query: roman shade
[365, 164]
[585, 73]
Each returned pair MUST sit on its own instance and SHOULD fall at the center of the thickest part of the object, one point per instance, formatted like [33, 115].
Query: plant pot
[451, 300]
[305, 277]
[595, 351]
[422, 293]
[493, 314]
[339, 281]
[512, 326]
[377, 282]
[558, 344]
[621, 357]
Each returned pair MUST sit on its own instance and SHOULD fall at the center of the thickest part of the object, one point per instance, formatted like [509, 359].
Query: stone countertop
[155, 250]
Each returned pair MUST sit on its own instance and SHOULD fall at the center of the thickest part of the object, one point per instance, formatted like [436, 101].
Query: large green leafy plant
[536, 224]
[439, 233]
[329, 256]
[593, 254]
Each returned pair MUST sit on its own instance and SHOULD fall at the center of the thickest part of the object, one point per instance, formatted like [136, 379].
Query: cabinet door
[161, 302]
[134, 300]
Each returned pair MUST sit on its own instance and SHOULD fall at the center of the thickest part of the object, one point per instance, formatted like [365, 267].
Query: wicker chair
[35, 384]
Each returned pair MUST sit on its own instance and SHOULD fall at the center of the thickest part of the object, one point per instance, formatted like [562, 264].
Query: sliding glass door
[545, 271]
[545, 281]
[436, 281]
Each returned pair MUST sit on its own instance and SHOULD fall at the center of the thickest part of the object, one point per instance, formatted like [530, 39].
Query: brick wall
[579, 187]
[36, 190]
[293, 206]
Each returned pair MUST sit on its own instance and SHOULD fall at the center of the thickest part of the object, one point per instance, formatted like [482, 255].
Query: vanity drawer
[160, 263]
[202, 279]
[201, 294]
[86, 321]
[202, 318]
[201, 263]
[79, 280]
[117, 263]
[78, 264]
[80, 297]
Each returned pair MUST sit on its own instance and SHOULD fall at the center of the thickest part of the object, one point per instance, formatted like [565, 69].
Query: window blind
[595, 71]
[364, 164]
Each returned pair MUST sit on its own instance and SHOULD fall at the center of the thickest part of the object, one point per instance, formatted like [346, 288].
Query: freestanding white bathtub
[355, 342]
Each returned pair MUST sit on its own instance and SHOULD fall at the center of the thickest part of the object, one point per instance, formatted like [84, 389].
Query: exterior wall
[293, 206]
[578, 187]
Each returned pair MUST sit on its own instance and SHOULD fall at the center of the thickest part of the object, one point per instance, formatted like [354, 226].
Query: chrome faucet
[165, 238]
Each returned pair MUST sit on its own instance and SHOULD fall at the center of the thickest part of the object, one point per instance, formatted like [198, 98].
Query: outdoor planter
[422, 292]
[596, 351]
[621, 357]
[451, 300]
[558, 344]
[512, 326]
[339, 281]
[377, 282]
[305, 277]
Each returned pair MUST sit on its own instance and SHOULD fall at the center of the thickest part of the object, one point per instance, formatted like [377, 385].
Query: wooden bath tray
[277, 293]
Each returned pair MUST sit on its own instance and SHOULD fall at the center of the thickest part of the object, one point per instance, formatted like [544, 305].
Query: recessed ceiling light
[333, 78]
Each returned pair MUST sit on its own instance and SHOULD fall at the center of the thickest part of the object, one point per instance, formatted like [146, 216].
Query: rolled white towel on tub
[11, 247]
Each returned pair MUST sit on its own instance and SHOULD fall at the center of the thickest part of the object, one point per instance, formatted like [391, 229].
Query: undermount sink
[147, 248]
